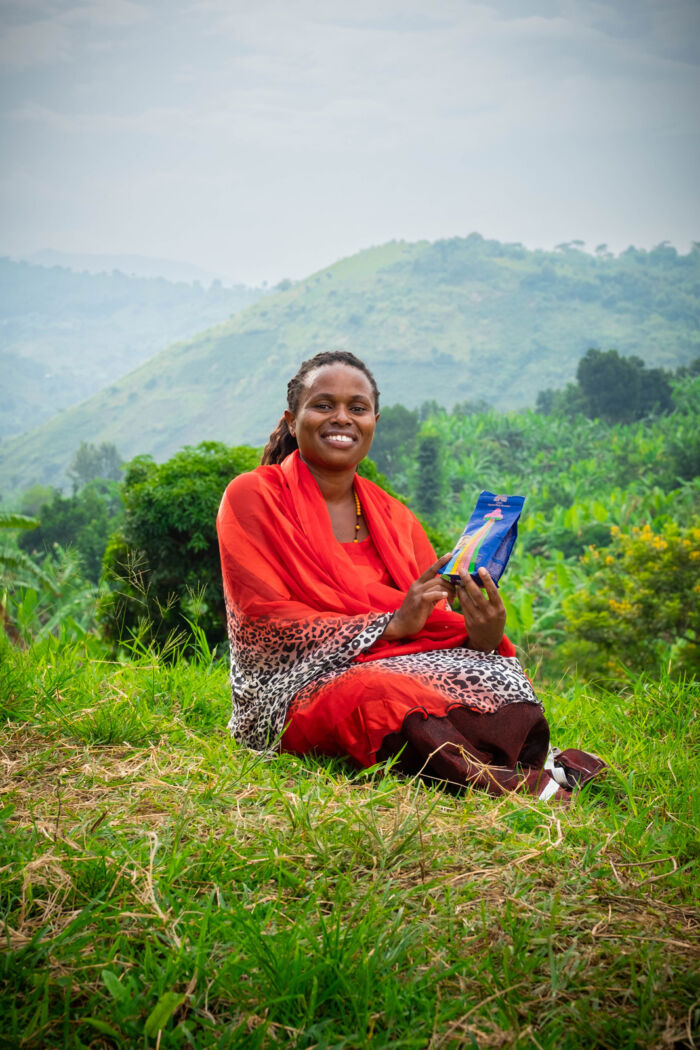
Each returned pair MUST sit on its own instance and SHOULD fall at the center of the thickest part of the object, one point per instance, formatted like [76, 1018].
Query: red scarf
[281, 561]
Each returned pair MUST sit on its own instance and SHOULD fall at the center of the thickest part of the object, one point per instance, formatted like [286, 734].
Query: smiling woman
[343, 639]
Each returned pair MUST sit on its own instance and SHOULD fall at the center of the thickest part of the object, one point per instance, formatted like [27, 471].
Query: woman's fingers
[489, 585]
[480, 599]
[429, 574]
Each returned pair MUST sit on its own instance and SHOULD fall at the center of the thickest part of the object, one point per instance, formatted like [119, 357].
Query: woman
[343, 641]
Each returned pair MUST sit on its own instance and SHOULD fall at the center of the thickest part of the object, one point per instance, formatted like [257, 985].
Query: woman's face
[335, 420]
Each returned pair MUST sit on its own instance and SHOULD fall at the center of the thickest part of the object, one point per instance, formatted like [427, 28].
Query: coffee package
[488, 538]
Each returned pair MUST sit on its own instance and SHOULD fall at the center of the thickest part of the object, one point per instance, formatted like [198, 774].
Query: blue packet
[488, 538]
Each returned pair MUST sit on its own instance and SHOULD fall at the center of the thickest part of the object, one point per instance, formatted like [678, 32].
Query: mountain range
[465, 319]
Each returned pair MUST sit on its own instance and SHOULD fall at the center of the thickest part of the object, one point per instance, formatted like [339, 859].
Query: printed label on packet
[488, 538]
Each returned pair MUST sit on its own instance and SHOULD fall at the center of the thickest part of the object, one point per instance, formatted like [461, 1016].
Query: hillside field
[452, 321]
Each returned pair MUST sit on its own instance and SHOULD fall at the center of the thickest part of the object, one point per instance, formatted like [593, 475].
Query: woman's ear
[290, 419]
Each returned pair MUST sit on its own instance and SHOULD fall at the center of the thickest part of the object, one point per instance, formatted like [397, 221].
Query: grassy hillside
[457, 320]
[65, 335]
[162, 887]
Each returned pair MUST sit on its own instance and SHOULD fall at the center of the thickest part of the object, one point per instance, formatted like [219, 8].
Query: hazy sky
[268, 138]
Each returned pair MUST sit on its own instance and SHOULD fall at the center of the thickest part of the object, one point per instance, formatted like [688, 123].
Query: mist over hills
[65, 335]
[130, 265]
[466, 319]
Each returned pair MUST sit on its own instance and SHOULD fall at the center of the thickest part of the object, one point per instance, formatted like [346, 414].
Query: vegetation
[82, 522]
[616, 389]
[163, 565]
[588, 484]
[647, 590]
[460, 320]
[161, 887]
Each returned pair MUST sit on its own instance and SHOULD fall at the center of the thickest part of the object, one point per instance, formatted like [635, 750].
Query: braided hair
[281, 443]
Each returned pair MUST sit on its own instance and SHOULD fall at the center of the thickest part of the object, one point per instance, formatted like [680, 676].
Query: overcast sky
[268, 138]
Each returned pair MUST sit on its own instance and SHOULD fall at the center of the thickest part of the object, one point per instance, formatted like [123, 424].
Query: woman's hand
[484, 614]
[421, 598]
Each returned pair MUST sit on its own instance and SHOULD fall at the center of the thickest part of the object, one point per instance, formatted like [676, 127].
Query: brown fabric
[499, 752]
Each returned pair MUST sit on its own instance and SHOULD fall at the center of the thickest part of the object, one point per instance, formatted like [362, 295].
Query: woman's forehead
[338, 377]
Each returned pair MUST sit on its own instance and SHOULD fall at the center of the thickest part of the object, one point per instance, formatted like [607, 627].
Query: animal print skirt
[453, 715]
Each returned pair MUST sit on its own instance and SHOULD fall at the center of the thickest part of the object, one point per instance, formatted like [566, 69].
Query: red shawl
[287, 578]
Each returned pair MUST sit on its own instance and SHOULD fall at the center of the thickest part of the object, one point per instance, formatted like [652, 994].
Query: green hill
[451, 321]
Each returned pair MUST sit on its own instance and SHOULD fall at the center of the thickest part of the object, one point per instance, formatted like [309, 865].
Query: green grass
[161, 887]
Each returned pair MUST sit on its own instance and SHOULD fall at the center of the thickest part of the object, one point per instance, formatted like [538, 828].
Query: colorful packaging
[488, 538]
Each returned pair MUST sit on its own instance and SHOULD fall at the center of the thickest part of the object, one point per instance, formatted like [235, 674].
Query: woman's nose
[341, 414]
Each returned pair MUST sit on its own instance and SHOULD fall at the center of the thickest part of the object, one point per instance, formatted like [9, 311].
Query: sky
[264, 139]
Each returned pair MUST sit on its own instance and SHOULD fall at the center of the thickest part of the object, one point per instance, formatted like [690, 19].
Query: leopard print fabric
[280, 665]
[272, 661]
[484, 682]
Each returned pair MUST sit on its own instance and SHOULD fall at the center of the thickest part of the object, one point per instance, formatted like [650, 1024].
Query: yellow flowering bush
[641, 606]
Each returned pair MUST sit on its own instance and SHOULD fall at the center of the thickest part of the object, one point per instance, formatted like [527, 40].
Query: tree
[612, 388]
[394, 437]
[83, 521]
[610, 385]
[94, 461]
[430, 484]
[162, 566]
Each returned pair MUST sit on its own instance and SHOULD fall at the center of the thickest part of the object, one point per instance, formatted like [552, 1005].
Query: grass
[161, 887]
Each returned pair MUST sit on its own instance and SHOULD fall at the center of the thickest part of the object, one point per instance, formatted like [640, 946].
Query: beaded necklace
[358, 516]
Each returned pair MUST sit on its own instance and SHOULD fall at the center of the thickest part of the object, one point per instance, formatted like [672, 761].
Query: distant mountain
[130, 265]
[451, 321]
[65, 335]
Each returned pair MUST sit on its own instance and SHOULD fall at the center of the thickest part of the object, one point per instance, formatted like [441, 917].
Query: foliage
[430, 479]
[33, 499]
[51, 597]
[613, 388]
[162, 566]
[466, 319]
[642, 605]
[394, 436]
[580, 478]
[94, 461]
[161, 887]
[36, 598]
[83, 521]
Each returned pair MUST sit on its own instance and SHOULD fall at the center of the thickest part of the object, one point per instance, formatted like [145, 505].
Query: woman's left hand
[484, 614]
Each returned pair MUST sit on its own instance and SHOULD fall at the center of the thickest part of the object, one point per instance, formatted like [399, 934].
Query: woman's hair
[281, 442]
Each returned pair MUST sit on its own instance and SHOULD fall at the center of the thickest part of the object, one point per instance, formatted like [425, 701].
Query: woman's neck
[335, 485]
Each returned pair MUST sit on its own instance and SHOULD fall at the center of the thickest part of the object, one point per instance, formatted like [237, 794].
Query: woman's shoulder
[253, 484]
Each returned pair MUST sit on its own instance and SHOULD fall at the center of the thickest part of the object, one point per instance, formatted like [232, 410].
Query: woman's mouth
[340, 440]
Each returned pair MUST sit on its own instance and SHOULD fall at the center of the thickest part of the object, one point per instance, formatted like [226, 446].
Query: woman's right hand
[421, 598]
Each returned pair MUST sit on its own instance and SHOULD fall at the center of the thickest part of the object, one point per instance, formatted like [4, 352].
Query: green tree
[394, 437]
[430, 482]
[162, 566]
[94, 461]
[83, 521]
[621, 389]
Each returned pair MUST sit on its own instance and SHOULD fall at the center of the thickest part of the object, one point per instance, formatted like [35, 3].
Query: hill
[65, 335]
[461, 320]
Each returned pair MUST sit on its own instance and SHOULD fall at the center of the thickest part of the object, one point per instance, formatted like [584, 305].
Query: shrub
[162, 566]
[642, 605]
